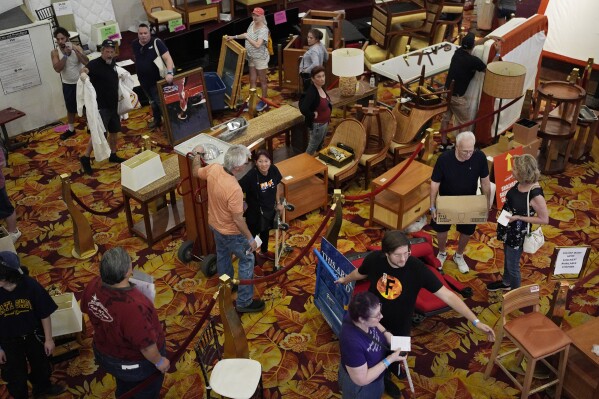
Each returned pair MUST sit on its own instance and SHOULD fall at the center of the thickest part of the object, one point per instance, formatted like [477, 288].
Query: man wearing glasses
[396, 278]
[457, 173]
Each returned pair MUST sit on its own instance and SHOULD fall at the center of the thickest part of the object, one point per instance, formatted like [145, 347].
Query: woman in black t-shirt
[263, 193]
[526, 172]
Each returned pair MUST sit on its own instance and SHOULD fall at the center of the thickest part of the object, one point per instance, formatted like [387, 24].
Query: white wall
[44, 103]
[129, 13]
[6, 5]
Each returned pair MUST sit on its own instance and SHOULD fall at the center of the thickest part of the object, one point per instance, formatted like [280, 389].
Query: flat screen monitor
[215, 39]
[186, 49]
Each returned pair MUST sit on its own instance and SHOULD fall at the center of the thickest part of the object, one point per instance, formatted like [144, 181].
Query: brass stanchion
[252, 102]
[236, 344]
[82, 232]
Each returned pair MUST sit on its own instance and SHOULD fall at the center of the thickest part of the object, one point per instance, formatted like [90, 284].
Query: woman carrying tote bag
[526, 203]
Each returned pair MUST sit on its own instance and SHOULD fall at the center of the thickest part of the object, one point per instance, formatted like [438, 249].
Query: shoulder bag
[158, 61]
[535, 239]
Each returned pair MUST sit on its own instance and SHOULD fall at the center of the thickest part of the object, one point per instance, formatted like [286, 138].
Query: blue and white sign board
[330, 298]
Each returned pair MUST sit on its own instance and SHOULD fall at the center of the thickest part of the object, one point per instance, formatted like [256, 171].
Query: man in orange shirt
[225, 218]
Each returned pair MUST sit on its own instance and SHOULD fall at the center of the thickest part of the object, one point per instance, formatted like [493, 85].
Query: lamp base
[347, 86]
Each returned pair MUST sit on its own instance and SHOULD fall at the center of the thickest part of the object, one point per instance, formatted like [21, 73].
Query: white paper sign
[19, 71]
[63, 8]
[570, 260]
[402, 343]
[503, 217]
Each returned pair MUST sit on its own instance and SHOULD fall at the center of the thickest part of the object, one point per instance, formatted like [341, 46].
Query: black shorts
[467, 229]
[6, 207]
[70, 97]
[111, 120]
[504, 13]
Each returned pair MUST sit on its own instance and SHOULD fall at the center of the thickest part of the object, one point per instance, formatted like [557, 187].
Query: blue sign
[330, 298]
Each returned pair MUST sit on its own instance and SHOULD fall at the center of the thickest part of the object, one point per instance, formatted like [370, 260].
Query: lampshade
[348, 62]
[504, 79]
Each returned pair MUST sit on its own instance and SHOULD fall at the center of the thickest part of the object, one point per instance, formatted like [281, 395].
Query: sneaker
[390, 388]
[261, 106]
[462, 266]
[15, 236]
[51, 390]
[86, 165]
[442, 256]
[257, 305]
[498, 286]
[153, 123]
[67, 134]
[115, 158]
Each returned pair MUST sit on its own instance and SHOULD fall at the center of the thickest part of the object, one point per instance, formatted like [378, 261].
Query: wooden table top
[562, 91]
[416, 174]
[10, 114]
[364, 90]
[299, 167]
[585, 336]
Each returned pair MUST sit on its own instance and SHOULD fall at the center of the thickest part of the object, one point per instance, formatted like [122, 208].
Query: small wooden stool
[584, 137]
[167, 219]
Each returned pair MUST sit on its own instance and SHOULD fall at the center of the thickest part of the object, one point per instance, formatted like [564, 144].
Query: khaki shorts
[458, 108]
[258, 64]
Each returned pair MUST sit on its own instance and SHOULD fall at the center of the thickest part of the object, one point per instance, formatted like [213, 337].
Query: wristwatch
[169, 73]
[432, 209]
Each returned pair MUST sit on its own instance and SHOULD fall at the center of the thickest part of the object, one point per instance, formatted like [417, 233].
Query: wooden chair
[209, 354]
[535, 337]
[47, 13]
[434, 29]
[351, 133]
[160, 12]
[414, 111]
[384, 130]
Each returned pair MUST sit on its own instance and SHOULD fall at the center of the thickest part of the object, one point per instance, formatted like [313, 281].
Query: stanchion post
[82, 232]
[252, 102]
[235, 344]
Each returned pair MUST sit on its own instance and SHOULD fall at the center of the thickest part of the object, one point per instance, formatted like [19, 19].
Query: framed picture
[185, 106]
[230, 69]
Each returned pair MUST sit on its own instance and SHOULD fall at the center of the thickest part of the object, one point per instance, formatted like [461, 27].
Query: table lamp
[504, 80]
[347, 64]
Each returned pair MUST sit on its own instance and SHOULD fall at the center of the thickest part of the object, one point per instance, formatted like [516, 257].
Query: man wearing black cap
[461, 71]
[103, 76]
[25, 331]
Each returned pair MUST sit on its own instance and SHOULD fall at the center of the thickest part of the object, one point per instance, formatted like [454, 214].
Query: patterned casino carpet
[298, 352]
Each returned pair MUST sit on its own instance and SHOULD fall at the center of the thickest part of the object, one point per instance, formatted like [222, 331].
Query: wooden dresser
[198, 11]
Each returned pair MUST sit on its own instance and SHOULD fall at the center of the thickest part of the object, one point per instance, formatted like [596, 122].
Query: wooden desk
[9, 115]
[305, 184]
[405, 200]
[582, 370]
[155, 226]
[364, 91]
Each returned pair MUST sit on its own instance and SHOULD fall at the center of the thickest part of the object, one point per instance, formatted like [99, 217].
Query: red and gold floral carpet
[296, 348]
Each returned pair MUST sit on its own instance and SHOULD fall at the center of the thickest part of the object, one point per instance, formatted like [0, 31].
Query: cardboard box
[326, 155]
[531, 148]
[462, 209]
[6, 243]
[525, 131]
[67, 319]
[141, 170]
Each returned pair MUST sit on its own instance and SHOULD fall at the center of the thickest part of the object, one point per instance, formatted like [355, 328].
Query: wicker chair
[351, 133]
[387, 131]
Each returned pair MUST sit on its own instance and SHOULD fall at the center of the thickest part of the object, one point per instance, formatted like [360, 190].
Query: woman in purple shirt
[363, 343]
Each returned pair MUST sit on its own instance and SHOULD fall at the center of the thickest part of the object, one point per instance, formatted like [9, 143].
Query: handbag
[159, 62]
[128, 99]
[535, 239]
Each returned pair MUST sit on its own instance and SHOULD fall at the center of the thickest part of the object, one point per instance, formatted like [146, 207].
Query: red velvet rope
[102, 213]
[176, 356]
[295, 261]
[372, 194]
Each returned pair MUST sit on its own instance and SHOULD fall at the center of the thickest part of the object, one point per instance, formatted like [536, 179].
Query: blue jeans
[351, 390]
[152, 94]
[227, 245]
[316, 137]
[133, 374]
[511, 266]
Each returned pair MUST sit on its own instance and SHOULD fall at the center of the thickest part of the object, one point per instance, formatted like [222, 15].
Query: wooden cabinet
[582, 370]
[198, 11]
[404, 201]
[305, 184]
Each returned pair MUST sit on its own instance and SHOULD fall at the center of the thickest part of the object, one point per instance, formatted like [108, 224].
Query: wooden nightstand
[198, 11]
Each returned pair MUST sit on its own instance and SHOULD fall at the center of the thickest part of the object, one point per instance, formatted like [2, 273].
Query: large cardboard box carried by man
[462, 209]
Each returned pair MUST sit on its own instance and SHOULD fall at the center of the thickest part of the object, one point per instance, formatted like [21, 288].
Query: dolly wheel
[283, 226]
[185, 253]
[290, 207]
[208, 265]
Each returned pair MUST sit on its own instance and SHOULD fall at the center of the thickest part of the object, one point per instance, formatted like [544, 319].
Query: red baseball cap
[258, 11]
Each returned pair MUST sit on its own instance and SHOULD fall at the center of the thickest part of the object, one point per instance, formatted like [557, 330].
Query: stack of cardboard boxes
[525, 134]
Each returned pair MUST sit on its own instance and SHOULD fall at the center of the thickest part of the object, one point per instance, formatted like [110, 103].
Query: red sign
[502, 168]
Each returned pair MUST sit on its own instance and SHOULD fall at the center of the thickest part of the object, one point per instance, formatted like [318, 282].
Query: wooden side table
[8, 115]
[154, 226]
[405, 200]
[582, 370]
[305, 184]
[584, 137]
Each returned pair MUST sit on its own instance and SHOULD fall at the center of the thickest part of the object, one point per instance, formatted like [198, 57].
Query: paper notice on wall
[19, 71]
[63, 8]
[280, 17]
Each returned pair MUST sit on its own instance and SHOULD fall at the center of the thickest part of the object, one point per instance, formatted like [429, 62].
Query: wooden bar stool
[562, 101]
[535, 336]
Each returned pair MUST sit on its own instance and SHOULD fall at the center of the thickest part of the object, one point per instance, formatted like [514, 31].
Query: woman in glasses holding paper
[515, 217]
[364, 345]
